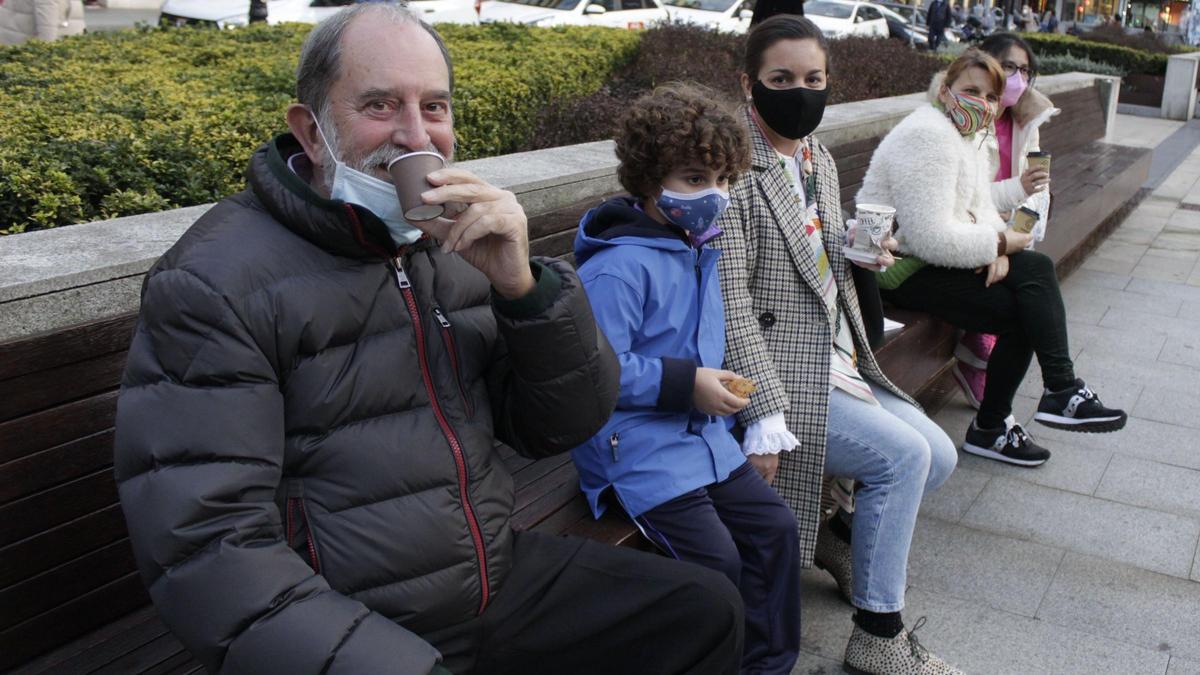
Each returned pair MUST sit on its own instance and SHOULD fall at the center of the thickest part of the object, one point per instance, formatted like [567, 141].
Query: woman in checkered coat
[793, 325]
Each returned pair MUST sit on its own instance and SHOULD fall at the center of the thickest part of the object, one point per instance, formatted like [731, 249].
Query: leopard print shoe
[867, 654]
[833, 556]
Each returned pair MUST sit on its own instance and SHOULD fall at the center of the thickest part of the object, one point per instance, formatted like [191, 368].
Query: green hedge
[112, 124]
[1125, 58]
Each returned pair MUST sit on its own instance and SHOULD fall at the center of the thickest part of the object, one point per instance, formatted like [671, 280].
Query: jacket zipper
[614, 442]
[292, 502]
[452, 349]
[460, 462]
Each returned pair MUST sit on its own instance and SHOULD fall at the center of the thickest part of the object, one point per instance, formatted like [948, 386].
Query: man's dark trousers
[936, 20]
[742, 528]
[571, 605]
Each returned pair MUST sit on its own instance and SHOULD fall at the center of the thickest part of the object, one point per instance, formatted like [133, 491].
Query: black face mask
[791, 113]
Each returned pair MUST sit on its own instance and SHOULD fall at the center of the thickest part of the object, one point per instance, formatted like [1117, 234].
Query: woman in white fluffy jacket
[964, 265]
[1023, 110]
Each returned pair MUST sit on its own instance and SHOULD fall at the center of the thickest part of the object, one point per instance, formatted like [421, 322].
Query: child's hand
[711, 397]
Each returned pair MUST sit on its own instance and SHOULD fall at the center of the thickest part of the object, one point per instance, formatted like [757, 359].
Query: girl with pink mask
[1022, 110]
[962, 262]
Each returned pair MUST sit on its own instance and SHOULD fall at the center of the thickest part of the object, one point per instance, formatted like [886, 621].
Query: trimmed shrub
[1125, 58]
[1050, 64]
[112, 124]
[861, 68]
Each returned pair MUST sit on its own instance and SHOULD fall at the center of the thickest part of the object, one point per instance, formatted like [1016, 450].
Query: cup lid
[414, 154]
[878, 208]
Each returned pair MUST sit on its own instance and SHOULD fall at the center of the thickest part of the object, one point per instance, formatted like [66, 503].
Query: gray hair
[320, 57]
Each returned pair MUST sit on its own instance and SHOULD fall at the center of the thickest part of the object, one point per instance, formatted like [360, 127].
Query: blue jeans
[897, 454]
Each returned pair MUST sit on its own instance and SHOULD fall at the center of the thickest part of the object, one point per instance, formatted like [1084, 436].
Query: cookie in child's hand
[741, 387]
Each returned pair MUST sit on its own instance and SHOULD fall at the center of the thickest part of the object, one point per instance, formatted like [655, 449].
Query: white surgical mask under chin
[377, 196]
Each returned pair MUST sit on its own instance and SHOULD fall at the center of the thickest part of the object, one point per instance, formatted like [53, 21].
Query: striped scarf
[843, 370]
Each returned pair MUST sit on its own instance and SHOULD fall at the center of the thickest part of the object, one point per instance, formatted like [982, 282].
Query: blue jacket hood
[618, 222]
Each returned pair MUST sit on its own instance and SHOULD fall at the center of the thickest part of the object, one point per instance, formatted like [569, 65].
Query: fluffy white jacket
[940, 185]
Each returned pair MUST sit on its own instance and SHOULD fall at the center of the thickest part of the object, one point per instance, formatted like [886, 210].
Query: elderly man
[308, 426]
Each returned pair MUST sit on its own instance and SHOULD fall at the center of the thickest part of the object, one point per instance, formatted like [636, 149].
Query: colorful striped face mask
[969, 114]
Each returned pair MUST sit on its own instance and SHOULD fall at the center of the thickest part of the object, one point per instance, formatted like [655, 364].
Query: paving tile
[1182, 666]
[1182, 351]
[1159, 288]
[956, 415]
[1098, 263]
[1172, 239]
[1163, 265]
[1156, 441]
[825, 619]
[1165, 305]
[815, 664]
[997, 571]
[1159, 542]
[950, 501]
[1140, 236]
[1083, 277]
[1173, 406]
[1190, 310]
[1194, 278]
[1185, 219]
[1137, 607]
[1141, 482]
[1116, 250]
[1145, 371]
[1145, 323]
[1196, 564]
[980, 639]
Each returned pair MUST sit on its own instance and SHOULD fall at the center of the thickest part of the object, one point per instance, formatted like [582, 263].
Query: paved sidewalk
[1088, 564]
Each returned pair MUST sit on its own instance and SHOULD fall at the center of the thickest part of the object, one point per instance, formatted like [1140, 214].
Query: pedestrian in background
[937, 18]
[24, 20]
[766, 9]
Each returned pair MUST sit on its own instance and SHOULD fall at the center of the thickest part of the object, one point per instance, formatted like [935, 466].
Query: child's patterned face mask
[695, 213]
[969, 114]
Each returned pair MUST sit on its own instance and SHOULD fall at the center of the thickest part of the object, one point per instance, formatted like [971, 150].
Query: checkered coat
[777, 332]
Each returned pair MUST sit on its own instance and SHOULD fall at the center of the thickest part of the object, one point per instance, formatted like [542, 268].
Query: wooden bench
[70, 597]
[66, 565]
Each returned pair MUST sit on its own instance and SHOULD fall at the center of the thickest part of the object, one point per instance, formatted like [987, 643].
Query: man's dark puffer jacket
[307, 430]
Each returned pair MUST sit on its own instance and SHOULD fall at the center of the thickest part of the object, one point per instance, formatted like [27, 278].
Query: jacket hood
[332, 224]
[1033, 104]
[618, 222]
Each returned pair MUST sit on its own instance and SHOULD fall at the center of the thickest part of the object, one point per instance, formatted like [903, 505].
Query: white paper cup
[874, 225]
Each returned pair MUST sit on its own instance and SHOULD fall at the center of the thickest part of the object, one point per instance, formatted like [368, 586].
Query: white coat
[940, 184]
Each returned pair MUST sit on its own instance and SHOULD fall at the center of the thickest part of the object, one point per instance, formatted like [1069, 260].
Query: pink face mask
[1014, 86]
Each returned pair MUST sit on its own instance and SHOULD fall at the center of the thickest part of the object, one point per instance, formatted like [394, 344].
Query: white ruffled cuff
[769, 436]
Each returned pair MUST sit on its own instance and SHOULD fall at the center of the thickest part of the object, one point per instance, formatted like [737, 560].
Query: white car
[730, 16]
[839, 18]
[632, 14]
[230, 13]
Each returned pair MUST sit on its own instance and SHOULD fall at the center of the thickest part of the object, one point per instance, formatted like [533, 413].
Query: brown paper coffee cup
[1038, 159]
[1025, 219]
[409, 174]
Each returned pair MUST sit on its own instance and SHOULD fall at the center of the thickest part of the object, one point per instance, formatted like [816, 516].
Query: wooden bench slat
[553, 245]
[59, 585]
[61, 544]
[56, 426]
[43, 470]
[37, 513]
[65, 622]
[100, 646]
[62, 347]
[165, 648]
[37, 391]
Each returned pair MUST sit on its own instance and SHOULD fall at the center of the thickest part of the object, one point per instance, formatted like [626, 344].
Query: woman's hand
[765, 465]
[1035, 179]
[710, 396]
[1015, 242]
[996, 271]
[883, 261]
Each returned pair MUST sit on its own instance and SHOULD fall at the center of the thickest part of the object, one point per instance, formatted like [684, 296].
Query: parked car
[842, 18]
[230, 13]
[632, 14]
[730, 16]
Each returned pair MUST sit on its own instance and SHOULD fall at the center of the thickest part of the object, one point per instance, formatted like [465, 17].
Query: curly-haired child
[667, 457]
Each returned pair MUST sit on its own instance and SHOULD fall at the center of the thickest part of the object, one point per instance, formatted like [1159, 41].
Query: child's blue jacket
[658, 300]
